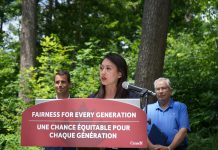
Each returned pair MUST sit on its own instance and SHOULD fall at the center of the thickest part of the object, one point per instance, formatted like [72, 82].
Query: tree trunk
[28, 42]
[153, 43]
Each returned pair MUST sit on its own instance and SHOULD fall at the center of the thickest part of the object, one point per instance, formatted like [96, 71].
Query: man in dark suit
[62, 86]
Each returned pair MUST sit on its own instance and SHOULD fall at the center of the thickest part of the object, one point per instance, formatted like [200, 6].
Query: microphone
[128, 86]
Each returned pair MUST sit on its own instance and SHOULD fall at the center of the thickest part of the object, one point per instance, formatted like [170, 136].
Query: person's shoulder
[152, 105]
[92, 95]
[133, 95]
[179, 104]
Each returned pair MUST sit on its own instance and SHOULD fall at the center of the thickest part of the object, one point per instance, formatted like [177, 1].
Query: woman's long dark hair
[121, 65]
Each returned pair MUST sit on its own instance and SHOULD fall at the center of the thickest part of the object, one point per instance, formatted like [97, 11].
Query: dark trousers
[181, 148]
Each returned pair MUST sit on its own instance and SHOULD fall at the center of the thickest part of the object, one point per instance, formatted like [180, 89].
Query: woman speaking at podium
[113, 72]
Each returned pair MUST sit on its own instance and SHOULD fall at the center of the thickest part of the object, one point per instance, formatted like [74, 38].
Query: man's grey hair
[163, 79]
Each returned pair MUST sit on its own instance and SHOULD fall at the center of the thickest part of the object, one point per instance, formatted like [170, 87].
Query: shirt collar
[157, 106]
[56, 97]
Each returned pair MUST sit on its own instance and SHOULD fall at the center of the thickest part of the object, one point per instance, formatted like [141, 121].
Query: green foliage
[85, 73]
[11, 106]
[85, 81]
[12, 142]
[105, 20]
[8, 68]
[10, 123]
[190, 61]
[188, 15]
[130, 50]
[9, 9]
[192, 66]
[11, 109]
[54, 57]
[8, 88]
[199, 143]
[205, 115]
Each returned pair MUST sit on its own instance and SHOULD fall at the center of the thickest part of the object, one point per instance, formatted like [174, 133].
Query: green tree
[193, 69]
[11, 106]
[79, 21]
[40, 79]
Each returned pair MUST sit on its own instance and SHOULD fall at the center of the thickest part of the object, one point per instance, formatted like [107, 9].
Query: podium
[87, 122]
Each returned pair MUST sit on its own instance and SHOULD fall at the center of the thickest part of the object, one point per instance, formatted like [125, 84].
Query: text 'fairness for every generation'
[84, 114]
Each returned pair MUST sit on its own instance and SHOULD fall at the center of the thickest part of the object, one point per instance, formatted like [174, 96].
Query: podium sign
[84, 123]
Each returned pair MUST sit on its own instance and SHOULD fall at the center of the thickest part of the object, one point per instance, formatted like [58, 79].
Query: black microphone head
[125, 85]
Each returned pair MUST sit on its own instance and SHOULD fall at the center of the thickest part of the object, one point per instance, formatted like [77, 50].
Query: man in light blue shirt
[169, 116]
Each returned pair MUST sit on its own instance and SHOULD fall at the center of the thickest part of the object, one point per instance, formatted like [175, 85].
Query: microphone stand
[144, 101]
